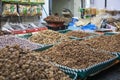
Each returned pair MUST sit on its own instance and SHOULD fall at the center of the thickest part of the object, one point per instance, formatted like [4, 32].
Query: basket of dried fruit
[77, 57]
[55, 21]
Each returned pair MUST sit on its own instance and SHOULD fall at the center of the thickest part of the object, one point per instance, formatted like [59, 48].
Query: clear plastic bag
[10, 9]
[24, 10]
[36, 10]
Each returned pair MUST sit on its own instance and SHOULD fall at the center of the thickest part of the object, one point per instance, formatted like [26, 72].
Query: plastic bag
[10, 9]
[41, 1]
[36, 10]
[24, 10]
[33, 1]
[15, 0]
[89, 27]
[6, 0]
[24, 0]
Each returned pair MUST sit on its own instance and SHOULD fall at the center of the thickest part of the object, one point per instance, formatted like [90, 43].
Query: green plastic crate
[64, 31]
[25, 36]
[43, 48]
[90, 71]
[111, 33]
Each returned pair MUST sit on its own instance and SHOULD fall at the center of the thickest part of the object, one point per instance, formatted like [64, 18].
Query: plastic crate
[90, 71]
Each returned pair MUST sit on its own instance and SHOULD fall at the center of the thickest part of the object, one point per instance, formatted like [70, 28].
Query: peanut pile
[19, 64]
[48, 37]
[75, 54]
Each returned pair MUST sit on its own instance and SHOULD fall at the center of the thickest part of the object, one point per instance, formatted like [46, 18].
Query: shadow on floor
[112, 73]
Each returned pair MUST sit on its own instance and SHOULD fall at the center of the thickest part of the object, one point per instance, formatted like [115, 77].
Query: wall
[58, 5]
[73, 5]
[77, 5]
[113, 5]
[46, 12]
[99, 4]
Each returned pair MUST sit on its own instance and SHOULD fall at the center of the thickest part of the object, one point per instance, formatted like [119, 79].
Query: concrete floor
[112, 73]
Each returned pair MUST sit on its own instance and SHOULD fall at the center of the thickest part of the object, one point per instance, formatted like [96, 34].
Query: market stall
[81, 50]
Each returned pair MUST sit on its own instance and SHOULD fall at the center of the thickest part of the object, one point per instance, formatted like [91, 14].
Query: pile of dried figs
[19, 64]
[48, 37]
[75, 54]
[78, 34]
[108, 43]
[11, 40]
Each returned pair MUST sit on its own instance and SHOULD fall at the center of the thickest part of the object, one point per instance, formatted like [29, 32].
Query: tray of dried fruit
[55, 24]
[105, 43]
[90, 71]
[55, 21]
[70, 37]
[78, 35]
[77, 57]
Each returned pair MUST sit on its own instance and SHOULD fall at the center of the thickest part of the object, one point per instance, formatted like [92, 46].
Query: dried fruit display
[19, 64]
[78, 34]
[11, 40]
[4, 33]
[48, 37]
[55, 21]
[75, 54]
[108, 43]
[53, 18]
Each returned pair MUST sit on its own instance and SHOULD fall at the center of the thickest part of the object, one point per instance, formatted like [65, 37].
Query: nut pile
[4, 33]
[19, 64]
[108, 43]
[53, 18]
[11, 40]
[78, 34]
[48, 37]
[75, 54]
